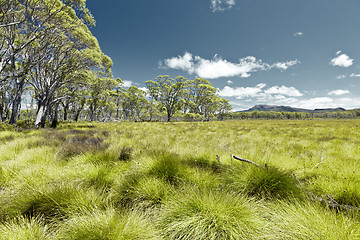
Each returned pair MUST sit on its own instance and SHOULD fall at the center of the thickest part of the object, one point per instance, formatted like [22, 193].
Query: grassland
[179, 181]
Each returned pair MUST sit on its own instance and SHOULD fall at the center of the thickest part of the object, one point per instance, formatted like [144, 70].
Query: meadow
[178, 180]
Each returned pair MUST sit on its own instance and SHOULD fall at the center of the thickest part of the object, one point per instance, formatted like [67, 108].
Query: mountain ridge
[276, 108]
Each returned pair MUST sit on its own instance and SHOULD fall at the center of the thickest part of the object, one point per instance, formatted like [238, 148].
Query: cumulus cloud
[341, 60]
[259, 92]
[218, 67]
[222, 5]
[283, 90]
[180, 62]
[338, 92]
[298, 34]
[127, 83]
[229, 82]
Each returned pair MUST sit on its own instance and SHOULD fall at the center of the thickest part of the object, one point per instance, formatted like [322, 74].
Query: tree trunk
[42, 113]
[54, 121]
[19, 88]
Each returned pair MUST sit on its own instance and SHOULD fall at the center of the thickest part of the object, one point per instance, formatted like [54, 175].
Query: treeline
[164, 99]
[349, 114]
[52, 69]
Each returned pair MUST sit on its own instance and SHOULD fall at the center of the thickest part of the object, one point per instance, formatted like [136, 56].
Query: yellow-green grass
[178, 180]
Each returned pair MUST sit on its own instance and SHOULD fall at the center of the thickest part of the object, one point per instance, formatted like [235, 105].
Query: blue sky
[300, 53]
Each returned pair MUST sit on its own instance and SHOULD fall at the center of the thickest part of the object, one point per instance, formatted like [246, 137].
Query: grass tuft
[108, 225]
[206, 214]
[167, 166]
[24, 228]
[271, 183]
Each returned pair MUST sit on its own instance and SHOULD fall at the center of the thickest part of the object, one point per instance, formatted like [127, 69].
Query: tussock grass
[108, 225]
[268, 183]
[107, 180]
[25, 228]
[167, 166]
[308, 220]
[206, 214]
[53, 201]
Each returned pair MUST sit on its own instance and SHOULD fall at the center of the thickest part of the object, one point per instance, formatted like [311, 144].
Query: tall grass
[207, 214]
[108, 225]
[179, 181]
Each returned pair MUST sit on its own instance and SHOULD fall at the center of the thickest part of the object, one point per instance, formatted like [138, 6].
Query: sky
[299, 53]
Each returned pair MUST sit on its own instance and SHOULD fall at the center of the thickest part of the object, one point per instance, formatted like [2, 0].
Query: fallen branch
[246, 160]
[322, 157]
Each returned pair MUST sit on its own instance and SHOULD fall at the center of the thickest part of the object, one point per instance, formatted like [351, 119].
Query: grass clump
[53, 201]
[267, 183]
[207, 214]
[271, 183]
[25, 228]
[308, 220]
[167, 166]
[108, 225]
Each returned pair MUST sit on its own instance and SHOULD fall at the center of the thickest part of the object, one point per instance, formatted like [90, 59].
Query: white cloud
[180, 62]
[338, 92]
[298, 34]
[354, 75]
[285, 65]
[258, 92]
[283, 90]
[240, 92]
[218, 67]
[340, 76]
[229, 82]
[144, 89]
[127, 83]
[313, 103]
[342, 60]
[222, 5]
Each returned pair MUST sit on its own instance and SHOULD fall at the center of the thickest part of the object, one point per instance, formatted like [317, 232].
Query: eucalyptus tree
[133, 103]
[24, 23]
[199, 95]
[65, 58]
[168, 92]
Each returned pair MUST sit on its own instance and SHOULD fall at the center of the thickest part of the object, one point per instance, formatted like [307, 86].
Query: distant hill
[274, 108]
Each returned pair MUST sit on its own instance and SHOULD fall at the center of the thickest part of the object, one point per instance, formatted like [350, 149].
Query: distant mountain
[274, 108]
